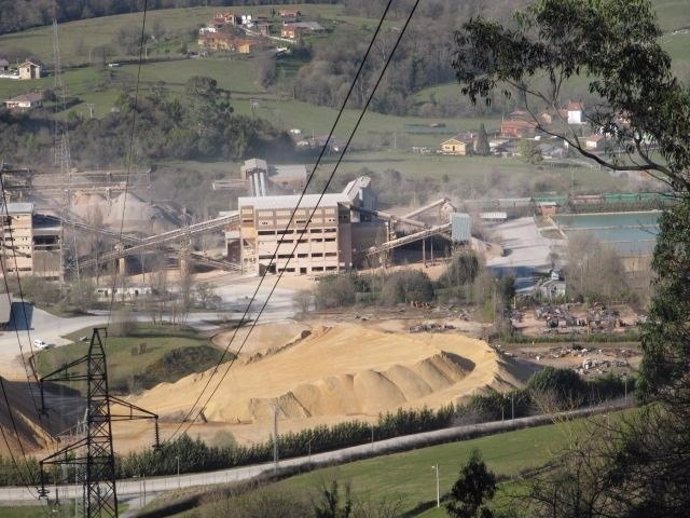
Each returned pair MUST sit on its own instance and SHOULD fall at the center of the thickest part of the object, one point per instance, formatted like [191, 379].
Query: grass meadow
[409, 478]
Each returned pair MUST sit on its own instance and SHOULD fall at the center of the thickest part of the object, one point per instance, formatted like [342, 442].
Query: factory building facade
[30, 243]
[308, 244]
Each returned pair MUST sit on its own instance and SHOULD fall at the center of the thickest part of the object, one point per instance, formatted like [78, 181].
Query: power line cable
[25, 480]
[292, 216]
[323, 192]
[30, 367]
[129, 157]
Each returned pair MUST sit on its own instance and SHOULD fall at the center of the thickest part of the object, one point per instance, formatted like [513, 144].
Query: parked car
[40, 344]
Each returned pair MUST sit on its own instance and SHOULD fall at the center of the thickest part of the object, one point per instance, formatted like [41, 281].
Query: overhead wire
[13, 248]
[322, 194]
[130, 156]
[30, 367]
[322, 153]
[25, 479]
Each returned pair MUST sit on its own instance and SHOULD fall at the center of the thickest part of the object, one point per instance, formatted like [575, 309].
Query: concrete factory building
[325, 245]
[30, 243]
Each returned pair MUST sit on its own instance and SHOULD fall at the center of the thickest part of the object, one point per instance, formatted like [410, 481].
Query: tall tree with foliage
[614, 46]
[482, 148]
[475, 486]
[644, 108]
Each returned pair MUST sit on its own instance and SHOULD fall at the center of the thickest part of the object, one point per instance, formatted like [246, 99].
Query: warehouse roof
[290, 202]
[18, 208]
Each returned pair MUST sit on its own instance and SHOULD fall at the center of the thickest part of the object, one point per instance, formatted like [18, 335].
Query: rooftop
[17, 208]
[32, 97]
[309, 201]
[253, 164]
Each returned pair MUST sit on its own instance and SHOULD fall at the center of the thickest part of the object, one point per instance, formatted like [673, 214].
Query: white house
[574, 111]
[25, 101]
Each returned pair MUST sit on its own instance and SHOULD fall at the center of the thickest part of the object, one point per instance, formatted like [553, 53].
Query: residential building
[309, 244]
[30, 243]
[29, 70]
[318, 143]
[594, 142]
[217, 41]
[291, 31]
[459, 145]
[547, 208]
[25, 101]
[574, 112]
[244, 46]
[263, 28]
[290, 16]
[518, 127]
[4, 65]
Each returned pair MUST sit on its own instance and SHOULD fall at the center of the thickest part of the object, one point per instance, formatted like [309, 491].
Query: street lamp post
[625, 383]
[438, 486]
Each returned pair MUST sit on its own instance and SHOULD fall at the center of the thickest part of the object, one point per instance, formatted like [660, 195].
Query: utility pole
[94, 452]
[438, 486]
[275, 438]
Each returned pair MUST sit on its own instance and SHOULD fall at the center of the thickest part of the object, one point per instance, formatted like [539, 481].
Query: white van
[40, 344]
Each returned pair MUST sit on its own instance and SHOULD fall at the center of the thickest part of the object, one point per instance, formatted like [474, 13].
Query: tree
[328, 503]
[473, 488]
[460, 272]
[303, 300]
[205, 295]
[644, 109]
[406, 286]
[482, 148]
[529, 151]
[666, 362]
[594, 272]
[82, 294]
[612, 44]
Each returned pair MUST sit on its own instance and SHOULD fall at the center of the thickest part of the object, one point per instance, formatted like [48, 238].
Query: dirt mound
[344, 371]
[24, 418]
[263, 339]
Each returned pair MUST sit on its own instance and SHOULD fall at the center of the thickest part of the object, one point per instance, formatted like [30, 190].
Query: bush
[178, 363]
[336, 291]
[406, 286]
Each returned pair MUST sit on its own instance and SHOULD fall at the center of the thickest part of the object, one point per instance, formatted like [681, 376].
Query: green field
[382, 141]
[409, 476]
[122, 364]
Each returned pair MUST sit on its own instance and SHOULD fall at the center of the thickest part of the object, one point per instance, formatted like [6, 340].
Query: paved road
[133, 489]
[30, 323]
[526, 250]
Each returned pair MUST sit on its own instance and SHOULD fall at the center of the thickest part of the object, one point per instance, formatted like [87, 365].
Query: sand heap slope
[21, 429]
[342, 371]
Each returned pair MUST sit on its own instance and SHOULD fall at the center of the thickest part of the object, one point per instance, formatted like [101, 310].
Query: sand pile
[342, 371]
[28, 429]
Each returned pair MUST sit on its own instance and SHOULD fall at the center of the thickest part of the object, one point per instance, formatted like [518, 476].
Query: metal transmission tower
[93, 454]
[61, 149]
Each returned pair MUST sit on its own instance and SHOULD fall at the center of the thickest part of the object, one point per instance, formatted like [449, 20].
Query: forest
[199, 125]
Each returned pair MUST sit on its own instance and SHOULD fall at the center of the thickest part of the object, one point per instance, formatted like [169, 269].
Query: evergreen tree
[474, 487]
[482, 147]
